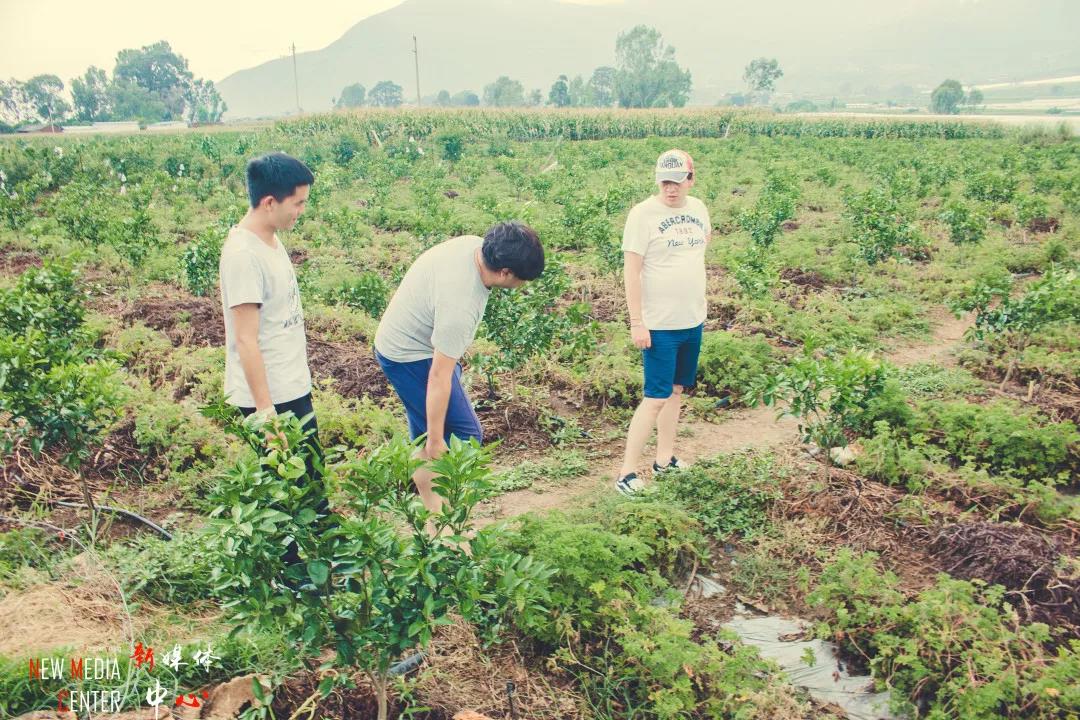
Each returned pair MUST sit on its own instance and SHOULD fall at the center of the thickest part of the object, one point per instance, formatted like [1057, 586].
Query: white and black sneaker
[629, 484]
[674, 464]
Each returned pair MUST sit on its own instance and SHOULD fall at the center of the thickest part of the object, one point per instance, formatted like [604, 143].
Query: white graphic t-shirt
[252, 272]
[438, 305]
[672, 241]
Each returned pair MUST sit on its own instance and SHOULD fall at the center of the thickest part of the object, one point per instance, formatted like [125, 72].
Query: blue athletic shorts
[672, 359]
[409, 380]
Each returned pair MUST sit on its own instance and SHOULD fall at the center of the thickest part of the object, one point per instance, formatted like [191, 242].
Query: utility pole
[296, 79]
[417, 58]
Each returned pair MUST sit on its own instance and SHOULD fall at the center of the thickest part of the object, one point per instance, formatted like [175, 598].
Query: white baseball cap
[674, 166]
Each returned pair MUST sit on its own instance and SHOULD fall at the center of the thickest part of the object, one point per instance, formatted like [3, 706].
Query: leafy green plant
[992, 186]
[529, 321]
[367, 292]
[373, 583]
[1053, 298]
[955, 650]
[831, 395]
[592, 569]
[173, 572]
[730, 495]
[60, 389]
[452, 144]
[731, 364]
[966, 223]
[199, 263]
[562, 466]
[1002, 437]
[1030, 207]
[881, 223]
[893, 458]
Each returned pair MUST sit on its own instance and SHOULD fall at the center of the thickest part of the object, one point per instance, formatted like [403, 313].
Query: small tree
[504, 92]
[352, 96]
[90, 95]
[204, 103]
[601, 86]
[43, 91]
[443, 98]
[372, 582]
[974, 97]
[559, 95]
[386, 93]
[831, 396]
[761, 75]
[648, 75]
[465, 98]
[16, 106]
[946, 98]
[1052, 298]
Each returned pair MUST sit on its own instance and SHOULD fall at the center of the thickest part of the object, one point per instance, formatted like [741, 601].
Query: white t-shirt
[252, 272]
[438, 305]
[672, 241]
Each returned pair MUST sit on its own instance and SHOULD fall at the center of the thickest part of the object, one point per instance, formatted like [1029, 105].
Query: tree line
[645, 74]
[148, 84]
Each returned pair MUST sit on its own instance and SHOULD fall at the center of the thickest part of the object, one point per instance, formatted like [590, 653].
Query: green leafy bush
[894, 458]
[881, 223]
[992, 186]
[955, 650]
[671, 533]
[731, 364]
[654, 669]
[730, 495]
[1052, 298]
[372, 581]
[1003, 437]
[176, 433]
[60, 389]
[199, 263]
[173, 572]
[835, 395]
[966, 223]
[1031, 207]
[452, 144]
[593, 568]
[367, 292]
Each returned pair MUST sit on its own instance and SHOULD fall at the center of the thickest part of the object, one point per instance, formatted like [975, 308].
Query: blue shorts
[672, 359]
[410, 383]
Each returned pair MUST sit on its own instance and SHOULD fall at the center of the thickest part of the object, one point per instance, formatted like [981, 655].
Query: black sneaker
[629, 484]
[675, 464]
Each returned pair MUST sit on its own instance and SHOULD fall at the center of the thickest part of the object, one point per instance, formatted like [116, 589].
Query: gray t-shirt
[438, 306]
[252, 272]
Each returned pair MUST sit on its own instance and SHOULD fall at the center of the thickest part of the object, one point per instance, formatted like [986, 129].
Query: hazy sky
[218, 37]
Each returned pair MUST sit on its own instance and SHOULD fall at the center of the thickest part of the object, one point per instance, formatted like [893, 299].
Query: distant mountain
[825, 46]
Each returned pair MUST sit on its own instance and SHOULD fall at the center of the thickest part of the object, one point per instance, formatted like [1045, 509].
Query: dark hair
[275, 174]
[516, 247]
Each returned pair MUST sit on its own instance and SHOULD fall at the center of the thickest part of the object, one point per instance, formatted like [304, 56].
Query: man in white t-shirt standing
[664, 245]
[266, 368]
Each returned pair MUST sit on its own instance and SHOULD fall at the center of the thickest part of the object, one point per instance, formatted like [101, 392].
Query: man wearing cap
[663, 246]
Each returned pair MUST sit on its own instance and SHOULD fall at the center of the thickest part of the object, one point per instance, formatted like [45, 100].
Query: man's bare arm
[246, 324]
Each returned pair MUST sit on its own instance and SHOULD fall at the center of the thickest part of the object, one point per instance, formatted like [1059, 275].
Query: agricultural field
[884, 434]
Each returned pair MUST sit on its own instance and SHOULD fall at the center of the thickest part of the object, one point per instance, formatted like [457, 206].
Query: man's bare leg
[667, 423]
[641, 427]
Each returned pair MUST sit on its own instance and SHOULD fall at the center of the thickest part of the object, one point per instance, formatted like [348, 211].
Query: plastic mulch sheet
[825, 677]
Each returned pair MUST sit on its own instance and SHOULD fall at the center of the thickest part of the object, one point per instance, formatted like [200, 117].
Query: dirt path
[756, 428]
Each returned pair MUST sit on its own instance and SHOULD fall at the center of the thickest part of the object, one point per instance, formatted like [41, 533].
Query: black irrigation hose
[119, 511]
[407, 665]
